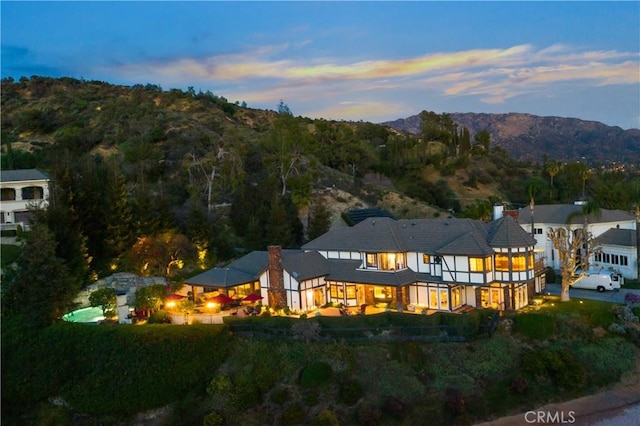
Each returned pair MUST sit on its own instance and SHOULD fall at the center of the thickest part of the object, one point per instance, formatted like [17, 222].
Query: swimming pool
[85, 315]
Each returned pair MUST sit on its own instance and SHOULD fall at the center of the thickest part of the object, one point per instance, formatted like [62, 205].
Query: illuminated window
[531, 262]
[351, 292]
[382, 292]
[476, 264]
[426, 258]
[488, 266]
[372, 260]
[455, 297]
[444, 299]
[433, 298]
[337, 292]
[502, 262]
[518, 262]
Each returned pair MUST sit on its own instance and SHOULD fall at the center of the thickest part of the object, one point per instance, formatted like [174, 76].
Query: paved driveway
[607, 296]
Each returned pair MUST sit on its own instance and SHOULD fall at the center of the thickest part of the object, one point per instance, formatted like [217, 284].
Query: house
[614, 232]
[20, 192]
[437, 264]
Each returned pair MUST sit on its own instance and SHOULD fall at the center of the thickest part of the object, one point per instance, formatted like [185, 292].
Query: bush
[293, 415]
[159, 317]
[395, 408]
[558, 365]
[279, 396]
[315, 374]
[632, 298]
[213, 419]
[350, 392]
[326, 418]
[369, 414]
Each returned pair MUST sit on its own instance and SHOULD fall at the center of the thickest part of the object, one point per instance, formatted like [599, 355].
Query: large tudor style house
[20, 192]
[427, 264]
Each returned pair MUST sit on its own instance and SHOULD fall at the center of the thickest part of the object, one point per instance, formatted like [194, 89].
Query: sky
[370, 61]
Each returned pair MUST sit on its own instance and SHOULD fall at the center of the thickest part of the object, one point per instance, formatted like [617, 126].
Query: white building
[20, 192]
[614, 232]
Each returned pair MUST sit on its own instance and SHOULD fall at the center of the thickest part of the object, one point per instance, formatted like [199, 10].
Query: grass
[8, 254]
[631, 284]
[596, 313]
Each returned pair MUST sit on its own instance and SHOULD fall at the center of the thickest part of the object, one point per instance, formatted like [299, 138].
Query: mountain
[528, 137]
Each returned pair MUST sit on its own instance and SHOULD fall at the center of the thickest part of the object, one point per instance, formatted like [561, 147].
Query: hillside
[528, 137]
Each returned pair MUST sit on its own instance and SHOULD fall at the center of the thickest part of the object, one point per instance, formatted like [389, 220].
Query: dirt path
[617, 406]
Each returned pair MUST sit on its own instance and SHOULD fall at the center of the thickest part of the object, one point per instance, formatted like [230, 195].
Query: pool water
[85, 315]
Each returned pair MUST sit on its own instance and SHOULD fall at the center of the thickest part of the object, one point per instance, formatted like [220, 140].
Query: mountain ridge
[529, 137]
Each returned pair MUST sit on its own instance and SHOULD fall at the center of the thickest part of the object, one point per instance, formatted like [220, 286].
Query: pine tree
[319, 219]
[41, 290]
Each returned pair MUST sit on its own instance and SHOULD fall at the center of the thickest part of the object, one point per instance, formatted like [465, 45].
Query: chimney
[276, 293]
[498, 210]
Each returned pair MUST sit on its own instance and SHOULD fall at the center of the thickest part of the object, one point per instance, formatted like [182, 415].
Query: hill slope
[528, 137]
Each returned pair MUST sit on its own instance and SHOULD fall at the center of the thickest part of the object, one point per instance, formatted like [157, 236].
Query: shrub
[294, 414]
[559, 365]
[315, 374]
[632, 298]
[213, 419]
[159, 317]
[395, 408]
[326, 418]
[350, 392]
[279, 396]
[369, 414]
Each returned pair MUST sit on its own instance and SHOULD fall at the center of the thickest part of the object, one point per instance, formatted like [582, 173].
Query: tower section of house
[21, 191]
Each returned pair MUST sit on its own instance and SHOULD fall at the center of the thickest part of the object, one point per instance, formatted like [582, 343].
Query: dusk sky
[371, 61]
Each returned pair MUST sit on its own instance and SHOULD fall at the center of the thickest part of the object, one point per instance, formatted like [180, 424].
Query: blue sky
[372, 61]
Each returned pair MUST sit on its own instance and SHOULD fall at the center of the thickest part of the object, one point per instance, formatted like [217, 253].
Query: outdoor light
[171, 304]
[211, 305]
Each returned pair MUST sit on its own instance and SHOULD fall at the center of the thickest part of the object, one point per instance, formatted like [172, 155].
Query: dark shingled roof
[432, 236]
[301, 265]
[559, 213]
[22, 175]
[347, 270]
[618, 237]
[505, 233]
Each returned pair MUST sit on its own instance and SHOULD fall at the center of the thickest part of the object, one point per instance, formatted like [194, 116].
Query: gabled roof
[23, 175]
[301, 265]
[244, 270]
[431, 236]
[473, 243]
[305, 265]
[377, 234]
[618, 237]
[505, 233]
[559, 213]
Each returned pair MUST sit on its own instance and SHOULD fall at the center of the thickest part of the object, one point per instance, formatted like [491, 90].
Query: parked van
[599, 280]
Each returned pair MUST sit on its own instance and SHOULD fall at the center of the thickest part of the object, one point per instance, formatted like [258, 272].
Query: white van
[599, 280]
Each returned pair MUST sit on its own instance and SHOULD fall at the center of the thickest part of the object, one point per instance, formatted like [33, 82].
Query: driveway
[607, 296]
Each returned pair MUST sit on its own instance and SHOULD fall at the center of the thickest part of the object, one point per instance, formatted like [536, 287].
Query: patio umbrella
[252, 298]
[222, 299]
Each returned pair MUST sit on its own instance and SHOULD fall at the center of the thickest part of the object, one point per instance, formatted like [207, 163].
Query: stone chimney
[276, 292]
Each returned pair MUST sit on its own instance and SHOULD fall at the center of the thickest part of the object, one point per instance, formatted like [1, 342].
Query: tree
[151, 298]
[186, 307]
[319, 219]
[553, 168]
[482, 141]
[574, 247]
[160, 254]
[40, 290]
[106, 299]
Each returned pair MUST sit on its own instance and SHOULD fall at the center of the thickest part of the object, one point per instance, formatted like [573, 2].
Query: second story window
[372, 260]
[480, 264]
[426, 259]
[518, 262]
[502, 262]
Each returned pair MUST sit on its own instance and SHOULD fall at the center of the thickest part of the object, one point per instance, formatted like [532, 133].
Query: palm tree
[553, 169]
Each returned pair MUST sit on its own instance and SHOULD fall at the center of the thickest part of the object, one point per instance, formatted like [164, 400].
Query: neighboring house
[438, 264]
[20, 192]
[612, 230]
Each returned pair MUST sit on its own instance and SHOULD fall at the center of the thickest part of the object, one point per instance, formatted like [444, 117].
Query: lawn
[595, 312]
[8, 254]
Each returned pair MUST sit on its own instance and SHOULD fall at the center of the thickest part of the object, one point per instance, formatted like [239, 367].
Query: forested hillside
[159, 182]
[530, 138]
